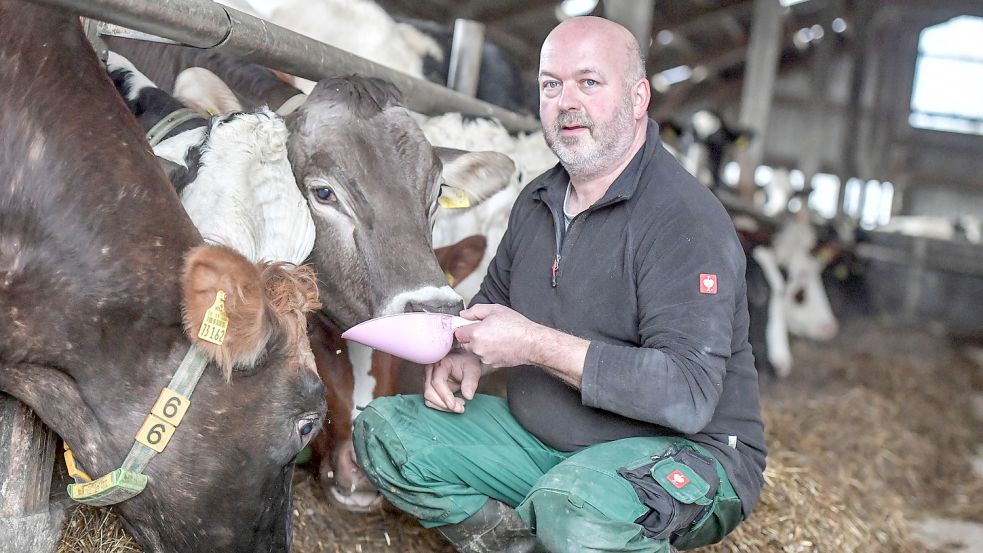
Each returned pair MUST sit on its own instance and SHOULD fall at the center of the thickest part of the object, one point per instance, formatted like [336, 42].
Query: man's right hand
[457, 372]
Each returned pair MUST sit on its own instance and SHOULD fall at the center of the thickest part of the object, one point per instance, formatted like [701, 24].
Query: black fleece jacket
[653, 275]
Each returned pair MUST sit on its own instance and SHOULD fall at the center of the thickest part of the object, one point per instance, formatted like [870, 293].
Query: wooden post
[27, 455]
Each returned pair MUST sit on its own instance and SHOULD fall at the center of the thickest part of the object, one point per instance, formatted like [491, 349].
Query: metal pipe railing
[206, 24]
[465, 63]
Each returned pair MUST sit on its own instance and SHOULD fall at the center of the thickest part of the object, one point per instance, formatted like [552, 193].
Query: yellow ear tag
[216, 321]
[212, 111]
[73, 469]
[450, 279]
[452, 197]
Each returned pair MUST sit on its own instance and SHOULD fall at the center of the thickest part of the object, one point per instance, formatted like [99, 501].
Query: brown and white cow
[103, 283]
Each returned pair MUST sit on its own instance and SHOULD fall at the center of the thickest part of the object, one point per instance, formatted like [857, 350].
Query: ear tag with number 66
[216, 321]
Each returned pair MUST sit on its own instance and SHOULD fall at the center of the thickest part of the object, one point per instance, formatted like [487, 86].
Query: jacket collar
[553, 184]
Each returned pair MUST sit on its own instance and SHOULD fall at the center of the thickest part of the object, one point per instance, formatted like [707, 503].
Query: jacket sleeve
[675, 378]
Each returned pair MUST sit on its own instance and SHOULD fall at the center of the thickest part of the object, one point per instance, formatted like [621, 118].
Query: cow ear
[477, 174]
[202, 91]
[209, 270]
[459, 260]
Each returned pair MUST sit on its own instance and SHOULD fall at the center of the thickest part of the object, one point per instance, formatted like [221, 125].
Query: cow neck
[151, 439]
[173, 120]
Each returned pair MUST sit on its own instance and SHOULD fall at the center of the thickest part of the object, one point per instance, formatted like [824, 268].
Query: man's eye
[590, 82]
[550, 84]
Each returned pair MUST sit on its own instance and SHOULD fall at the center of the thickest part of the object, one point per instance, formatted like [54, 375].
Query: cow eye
[800, 296]
[325, 195]
[306, 429]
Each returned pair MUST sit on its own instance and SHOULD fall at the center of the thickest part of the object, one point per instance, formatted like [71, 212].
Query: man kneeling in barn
[618, 299]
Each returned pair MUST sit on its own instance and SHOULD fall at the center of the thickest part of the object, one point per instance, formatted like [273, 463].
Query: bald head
[600, 35]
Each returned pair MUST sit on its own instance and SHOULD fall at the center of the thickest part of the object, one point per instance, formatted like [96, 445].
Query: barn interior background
[866, 116]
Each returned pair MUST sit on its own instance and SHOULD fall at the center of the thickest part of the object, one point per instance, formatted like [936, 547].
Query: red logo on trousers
[677, 479]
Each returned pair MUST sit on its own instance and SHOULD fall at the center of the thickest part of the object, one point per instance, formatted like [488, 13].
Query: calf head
[807, 308]
[372, 182]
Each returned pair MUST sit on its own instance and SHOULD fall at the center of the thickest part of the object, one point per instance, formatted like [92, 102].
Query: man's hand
[455, 372]
[503, 338]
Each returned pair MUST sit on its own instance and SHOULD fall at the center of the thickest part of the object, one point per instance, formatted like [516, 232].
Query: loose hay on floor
[94, 530]
[870, 432]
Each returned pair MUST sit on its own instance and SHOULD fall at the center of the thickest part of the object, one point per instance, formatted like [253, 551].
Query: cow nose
[449, 307]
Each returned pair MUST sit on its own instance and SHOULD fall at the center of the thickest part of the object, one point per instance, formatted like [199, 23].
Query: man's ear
[641, 96]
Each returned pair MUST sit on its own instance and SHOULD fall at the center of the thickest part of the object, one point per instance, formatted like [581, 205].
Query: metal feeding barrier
[209, 25]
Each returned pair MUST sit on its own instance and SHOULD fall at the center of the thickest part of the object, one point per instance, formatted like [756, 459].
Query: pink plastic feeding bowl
[418, 337]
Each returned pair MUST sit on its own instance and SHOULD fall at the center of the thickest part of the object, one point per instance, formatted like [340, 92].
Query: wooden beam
[27, 456]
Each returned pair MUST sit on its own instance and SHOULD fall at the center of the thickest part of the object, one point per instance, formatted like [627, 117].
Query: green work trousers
[442, 467]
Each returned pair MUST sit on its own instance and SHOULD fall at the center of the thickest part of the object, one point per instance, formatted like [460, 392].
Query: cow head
[372, 182]
[807, 308]
[223, 482]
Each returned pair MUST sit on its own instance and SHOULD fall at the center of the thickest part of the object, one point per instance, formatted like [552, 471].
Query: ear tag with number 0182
[216, 321]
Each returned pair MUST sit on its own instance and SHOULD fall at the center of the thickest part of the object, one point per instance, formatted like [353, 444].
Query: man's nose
[569, 100]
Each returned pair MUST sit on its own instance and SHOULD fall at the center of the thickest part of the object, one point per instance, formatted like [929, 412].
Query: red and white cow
[354, 375]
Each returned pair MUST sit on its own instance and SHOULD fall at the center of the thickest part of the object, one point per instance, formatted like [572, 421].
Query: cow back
[87, 218]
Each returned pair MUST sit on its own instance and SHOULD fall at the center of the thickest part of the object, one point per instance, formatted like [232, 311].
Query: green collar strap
[153, 436]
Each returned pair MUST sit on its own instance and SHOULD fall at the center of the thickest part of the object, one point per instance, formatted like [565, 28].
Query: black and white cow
[703, 143]
[231, 171]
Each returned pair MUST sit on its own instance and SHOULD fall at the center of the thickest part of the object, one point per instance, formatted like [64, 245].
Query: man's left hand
[503, 338]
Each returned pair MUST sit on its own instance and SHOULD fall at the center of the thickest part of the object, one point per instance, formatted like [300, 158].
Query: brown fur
[461, 259]
[292, 292]
[212, 268]
[258, 296]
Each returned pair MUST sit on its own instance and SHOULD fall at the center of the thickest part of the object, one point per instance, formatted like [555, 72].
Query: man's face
[585, 108]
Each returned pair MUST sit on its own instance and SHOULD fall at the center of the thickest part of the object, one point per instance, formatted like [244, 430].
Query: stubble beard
[601, 148]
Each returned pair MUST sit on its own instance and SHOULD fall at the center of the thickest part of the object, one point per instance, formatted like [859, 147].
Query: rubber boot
[495, 528]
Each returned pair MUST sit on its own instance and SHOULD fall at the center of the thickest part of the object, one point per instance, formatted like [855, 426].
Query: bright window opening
[825, 193]
[949, 77]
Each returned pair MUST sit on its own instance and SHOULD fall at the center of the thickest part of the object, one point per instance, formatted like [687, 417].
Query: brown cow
[103, 287]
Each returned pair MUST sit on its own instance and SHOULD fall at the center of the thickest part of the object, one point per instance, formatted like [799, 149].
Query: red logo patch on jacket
[677, 479]
[708, 283]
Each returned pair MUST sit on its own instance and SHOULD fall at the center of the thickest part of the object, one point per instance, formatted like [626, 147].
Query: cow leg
[27, 454]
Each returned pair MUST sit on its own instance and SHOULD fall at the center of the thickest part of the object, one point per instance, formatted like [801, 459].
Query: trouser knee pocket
[678, 487]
